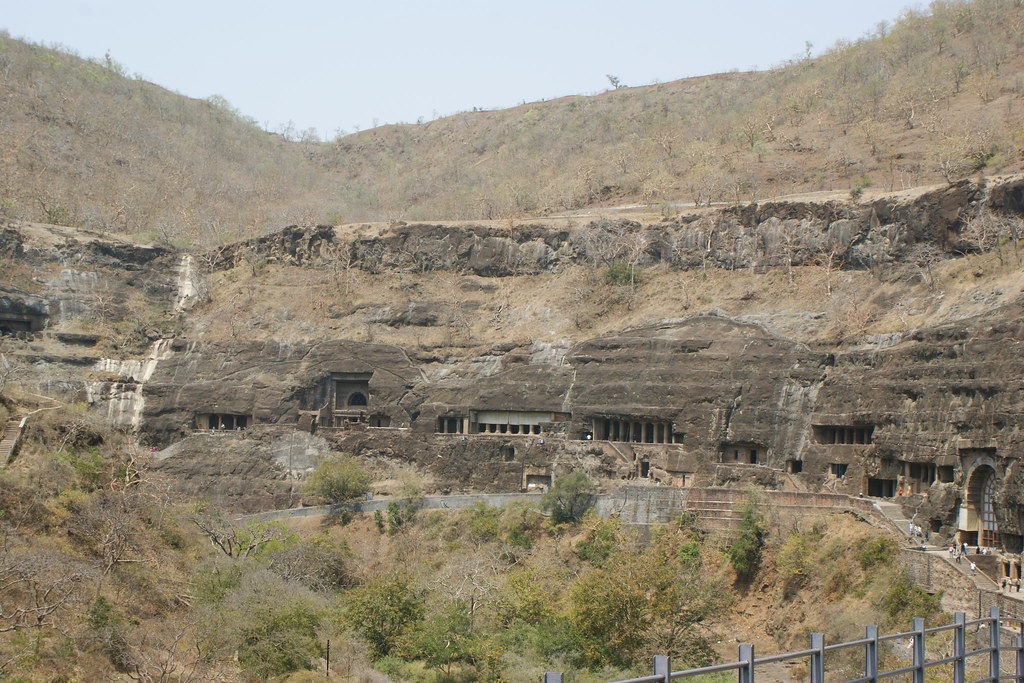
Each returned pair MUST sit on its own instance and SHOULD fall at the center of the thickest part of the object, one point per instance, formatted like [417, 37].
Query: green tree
[280, 637]
[382, 611]
[745, 552]
[569, 498]
[520, 600]
[337, 479]
[270, 624]
[643, 603]
[444, 638]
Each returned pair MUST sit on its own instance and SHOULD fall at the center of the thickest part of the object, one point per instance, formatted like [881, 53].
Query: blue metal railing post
[746, 672]
[818, 658]
[871, 653]
[1018, 674]
[663, 667]
[918, 650]
[993, 642]
[959, 647]
[552, 677]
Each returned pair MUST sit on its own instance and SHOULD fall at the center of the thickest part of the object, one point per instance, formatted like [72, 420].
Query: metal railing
[998, 655]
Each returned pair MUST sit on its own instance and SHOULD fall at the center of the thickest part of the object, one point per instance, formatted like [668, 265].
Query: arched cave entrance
[981, 499]
[357, 399]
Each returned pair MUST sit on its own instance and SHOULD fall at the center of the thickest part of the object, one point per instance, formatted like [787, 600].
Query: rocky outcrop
[772, 234]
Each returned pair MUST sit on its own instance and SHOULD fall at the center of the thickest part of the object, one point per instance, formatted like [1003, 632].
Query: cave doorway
[981, 498]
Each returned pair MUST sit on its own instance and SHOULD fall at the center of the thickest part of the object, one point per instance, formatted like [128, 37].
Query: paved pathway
[894, 513]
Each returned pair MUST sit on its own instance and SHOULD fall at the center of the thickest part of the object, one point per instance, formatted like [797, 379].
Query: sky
[340, 66]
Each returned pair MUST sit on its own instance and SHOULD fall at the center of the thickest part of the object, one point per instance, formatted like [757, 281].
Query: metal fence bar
[818, 658]
[746, 662]
[918, 650]
[871, 653]
[746, 673]
[993, 640]
[959, 647]
[663, 668]
[1018, 673]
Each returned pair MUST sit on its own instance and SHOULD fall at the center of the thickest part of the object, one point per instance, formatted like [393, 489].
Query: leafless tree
[180, 659]
[34, 587]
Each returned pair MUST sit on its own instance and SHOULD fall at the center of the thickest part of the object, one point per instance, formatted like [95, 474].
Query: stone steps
[894, 514]
[9, 442]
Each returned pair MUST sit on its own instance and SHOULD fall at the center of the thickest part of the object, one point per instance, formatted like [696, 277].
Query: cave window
[357, 399]
[223, 422]
[645, 469]
[946, 474]
[753, 456]
[795, 466]
[989, 529]
[835, 435]
[538, 481]
[881, 488]
[838, 469]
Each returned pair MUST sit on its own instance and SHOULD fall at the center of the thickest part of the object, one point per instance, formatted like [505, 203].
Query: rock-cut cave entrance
[981, 498]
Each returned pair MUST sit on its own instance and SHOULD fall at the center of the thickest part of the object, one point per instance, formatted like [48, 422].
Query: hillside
[801, 347]
[711, 372]
[935, 97]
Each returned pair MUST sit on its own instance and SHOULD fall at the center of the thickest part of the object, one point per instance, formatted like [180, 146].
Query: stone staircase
[9, 441]
[716, 509]
[893, 513]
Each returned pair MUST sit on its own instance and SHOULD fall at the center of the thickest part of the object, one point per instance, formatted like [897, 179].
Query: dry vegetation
[932, 98]
[105, 577]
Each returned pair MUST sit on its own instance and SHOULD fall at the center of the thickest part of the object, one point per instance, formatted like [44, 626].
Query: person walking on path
[972, 569]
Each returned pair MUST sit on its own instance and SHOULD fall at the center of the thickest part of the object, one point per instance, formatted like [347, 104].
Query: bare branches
[236, 541]
[33, 588]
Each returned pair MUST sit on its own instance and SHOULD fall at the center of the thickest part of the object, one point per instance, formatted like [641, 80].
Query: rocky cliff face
[258, 341]
[752, 236]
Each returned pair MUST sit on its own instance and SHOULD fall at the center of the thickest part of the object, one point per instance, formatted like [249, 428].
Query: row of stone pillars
[632, 431]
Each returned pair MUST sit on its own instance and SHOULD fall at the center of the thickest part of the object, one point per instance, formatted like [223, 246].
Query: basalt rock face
[945, 398]
[773, 234]
[706, 399]
[269, 382]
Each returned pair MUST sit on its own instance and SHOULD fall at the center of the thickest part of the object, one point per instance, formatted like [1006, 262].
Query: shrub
[623, 273]
[600, 542]
[876, 552]
[904, 601]
[337, 479]
[745, 551]
[569, 498]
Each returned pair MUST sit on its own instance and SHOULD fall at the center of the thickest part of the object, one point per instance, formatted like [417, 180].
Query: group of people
[958, 552]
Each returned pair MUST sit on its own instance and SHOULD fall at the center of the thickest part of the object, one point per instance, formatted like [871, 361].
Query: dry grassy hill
[933, 98]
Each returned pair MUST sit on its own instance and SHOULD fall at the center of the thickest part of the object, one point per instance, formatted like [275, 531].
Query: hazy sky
[347, 65]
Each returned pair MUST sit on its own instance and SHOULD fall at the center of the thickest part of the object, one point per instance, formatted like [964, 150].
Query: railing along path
[999, 656]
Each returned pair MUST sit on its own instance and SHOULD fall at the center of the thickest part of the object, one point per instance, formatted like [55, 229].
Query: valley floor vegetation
[105, 576]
